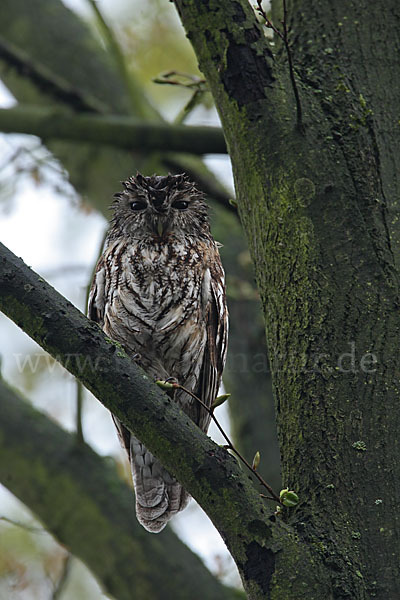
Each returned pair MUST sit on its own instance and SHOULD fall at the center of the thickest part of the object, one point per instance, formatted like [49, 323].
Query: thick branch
[50, 83]
[117, 131]
[105, 369]
[83, 503]
[208, 472]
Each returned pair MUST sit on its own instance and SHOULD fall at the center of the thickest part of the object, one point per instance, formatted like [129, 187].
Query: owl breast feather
[158, 308]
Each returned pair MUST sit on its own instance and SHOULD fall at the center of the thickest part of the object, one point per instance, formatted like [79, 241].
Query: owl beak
[160, 227]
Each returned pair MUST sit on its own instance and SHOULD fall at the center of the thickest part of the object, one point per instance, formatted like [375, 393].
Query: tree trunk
[318, 201]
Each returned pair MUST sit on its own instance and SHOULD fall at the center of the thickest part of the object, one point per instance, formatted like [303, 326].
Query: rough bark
[255, 538]
[252, 405]
[111, 130]
[247, 373]
[82, 501]
[320, 209]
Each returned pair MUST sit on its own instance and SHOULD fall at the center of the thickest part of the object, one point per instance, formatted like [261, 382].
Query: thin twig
[186, 80]
[140, 108]
[268, 22]
[193, 101]
[284, 36]
[30, 528]
[230, 445]
[62, 580]
[291, 68]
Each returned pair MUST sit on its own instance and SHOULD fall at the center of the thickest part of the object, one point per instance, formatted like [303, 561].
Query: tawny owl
[159, 291]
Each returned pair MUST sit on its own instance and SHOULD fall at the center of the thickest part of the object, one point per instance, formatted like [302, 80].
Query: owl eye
[180, 204]
[138, 205]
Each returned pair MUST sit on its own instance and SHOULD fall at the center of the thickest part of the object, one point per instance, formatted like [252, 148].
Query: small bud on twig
[288, 497]
[256, 460]
[219, 400]
[230, 445]
[164, 385]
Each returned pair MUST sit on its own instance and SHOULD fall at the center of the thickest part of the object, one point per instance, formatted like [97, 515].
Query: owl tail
[158, 495]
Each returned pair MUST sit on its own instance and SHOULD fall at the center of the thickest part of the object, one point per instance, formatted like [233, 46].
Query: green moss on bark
[320, 210]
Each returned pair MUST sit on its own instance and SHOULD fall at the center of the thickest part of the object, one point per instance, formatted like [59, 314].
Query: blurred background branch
[111, 130]
[81, 500]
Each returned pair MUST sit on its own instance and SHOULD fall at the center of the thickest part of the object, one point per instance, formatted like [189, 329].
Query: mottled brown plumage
[159, 291]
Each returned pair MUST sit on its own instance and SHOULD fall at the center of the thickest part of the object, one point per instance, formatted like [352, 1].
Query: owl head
[158, 207]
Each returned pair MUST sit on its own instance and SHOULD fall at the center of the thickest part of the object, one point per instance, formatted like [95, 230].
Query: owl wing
[158, 495]
[97, 294]
[216, 343]
[96, 311]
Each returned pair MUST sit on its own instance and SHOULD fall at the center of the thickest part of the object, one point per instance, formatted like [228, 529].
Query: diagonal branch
[84, 504]
[114, 130]
[105, 369]
[48, 82]
[208, 472]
